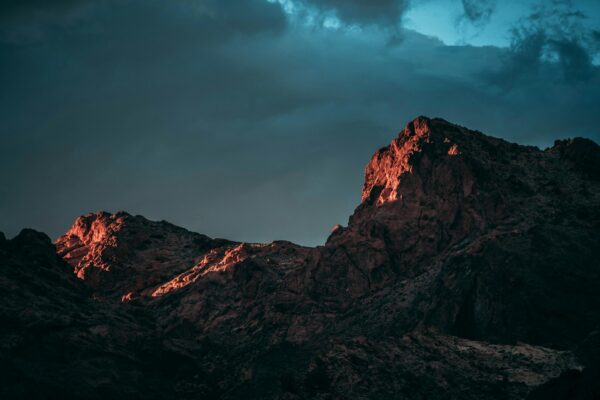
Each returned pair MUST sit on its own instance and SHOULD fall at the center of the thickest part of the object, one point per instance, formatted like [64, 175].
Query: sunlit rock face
[495, 225]
[124, 255]
[469, 270]
[437, 184]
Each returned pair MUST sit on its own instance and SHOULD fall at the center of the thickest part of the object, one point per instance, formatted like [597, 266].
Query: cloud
[28, 21]
[478, 12]
[552, 41]
[24, 9]
[31, 21]
[386, 13]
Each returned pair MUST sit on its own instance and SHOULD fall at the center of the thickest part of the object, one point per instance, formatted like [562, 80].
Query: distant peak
[94, 227]
[30, 238]
[92, 216]
[583, 153]
[28, 234]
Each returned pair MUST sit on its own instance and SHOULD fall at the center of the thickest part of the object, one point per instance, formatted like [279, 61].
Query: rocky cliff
[470, 270]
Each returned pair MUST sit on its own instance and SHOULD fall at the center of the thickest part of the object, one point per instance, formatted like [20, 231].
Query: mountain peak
[438, 184]
[432, 138]
[583, 153]
[94, 227]
[30, 240]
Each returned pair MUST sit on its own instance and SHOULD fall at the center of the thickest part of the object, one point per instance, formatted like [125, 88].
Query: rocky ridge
[469, 271]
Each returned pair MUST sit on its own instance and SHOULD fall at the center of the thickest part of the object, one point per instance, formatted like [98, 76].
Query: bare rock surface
[470, 270]
[123, 255]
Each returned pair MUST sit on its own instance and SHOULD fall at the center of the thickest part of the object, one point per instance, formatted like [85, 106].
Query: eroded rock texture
[470, 270]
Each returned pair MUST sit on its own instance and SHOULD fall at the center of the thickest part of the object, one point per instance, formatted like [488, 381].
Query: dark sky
[254, 119]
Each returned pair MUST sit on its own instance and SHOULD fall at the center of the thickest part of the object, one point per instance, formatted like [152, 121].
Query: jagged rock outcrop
[123, 255]
[469, 271]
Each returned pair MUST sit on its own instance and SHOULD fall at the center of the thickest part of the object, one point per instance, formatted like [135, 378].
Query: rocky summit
[470, 270]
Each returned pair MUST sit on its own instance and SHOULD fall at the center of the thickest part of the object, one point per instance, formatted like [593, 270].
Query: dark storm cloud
[229, 122]
[22, 10]
[384, 12]
[478, 11]
[35, 20]
[29, 20]
[554, 42]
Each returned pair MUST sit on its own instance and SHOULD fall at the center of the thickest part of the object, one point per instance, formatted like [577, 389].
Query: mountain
[469, 271]
[128, 255]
